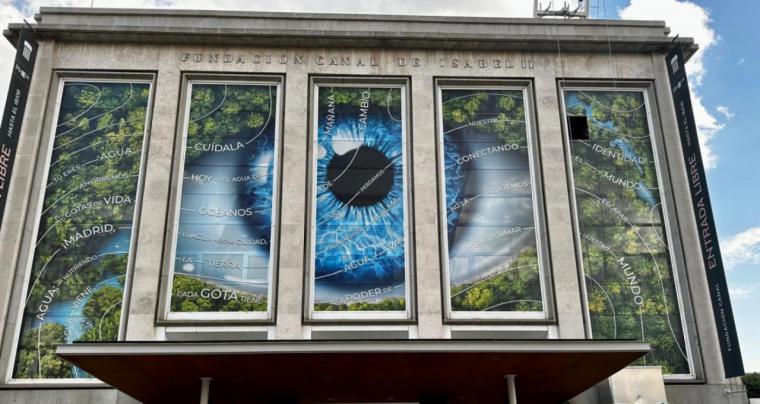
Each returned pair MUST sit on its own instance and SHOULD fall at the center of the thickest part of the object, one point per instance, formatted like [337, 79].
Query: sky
[724, 95]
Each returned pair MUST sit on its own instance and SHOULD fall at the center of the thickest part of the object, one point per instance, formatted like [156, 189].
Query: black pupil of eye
[360, 177]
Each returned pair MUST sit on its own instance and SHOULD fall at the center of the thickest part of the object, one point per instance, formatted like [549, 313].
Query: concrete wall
[422, 66]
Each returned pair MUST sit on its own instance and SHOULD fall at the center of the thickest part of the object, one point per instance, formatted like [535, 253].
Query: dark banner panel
[493, 267]
[13, 115]
[223, 251]
[83, 244]
[359, 225]
[629, 275]
[700, 199]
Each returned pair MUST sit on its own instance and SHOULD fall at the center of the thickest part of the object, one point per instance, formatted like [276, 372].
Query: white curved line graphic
[93, 131]
[612, 306]
[495, 121]
[659, 276]
[590, 97]
[388, 106]
[39, 275]
[93, 144]
[224, 99]
[100, 92]
[476, 94]
[514, 301]
[491, 277]
[651, 220]
[269, 117]
[100, 323]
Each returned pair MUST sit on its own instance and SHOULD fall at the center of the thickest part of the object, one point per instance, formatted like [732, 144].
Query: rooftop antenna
[580, 11]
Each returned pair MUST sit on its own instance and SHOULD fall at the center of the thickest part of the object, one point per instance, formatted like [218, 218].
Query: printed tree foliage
[359, 229]
[80, 261]
[630, 283]
[225, 223]
[491, 236]
[221, 112]
[184, 283]
[387, 304]
[513, 285]
[497, 112]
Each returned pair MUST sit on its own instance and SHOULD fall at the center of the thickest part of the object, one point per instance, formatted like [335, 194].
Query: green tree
[752, 382]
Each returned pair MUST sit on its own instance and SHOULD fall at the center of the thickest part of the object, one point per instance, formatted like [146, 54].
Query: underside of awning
[471, 371]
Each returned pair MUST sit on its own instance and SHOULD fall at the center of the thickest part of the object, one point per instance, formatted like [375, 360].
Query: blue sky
[731, 80]
[725, 89]
[730, 93]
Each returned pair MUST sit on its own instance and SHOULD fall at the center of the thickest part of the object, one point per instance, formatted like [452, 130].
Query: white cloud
[708, 127]
[11, 12]
[743, 291]
[517, 8]
[684, 18]
[741, 61]
[752, 365]
[8, 13]
[742, 248]
[687, 19]
[16, 12]
[723, 110]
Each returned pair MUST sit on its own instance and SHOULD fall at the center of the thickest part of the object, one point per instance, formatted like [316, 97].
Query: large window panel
[82, 248]
[226, 221]
[493, 267]
[360, 256]
[630, 281]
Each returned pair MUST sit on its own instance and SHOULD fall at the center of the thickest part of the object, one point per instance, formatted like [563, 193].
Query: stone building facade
[193, 176]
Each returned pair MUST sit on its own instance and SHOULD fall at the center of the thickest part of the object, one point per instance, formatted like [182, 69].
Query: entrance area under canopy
[334, 371]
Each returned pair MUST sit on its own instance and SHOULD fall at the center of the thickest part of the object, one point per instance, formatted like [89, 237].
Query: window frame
[547, 315]
[166, 316]
[33, 216]
[669, 222]
[312, 316]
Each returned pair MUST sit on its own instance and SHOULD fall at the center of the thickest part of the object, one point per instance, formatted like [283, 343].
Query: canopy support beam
[511, 390]
[205, 388]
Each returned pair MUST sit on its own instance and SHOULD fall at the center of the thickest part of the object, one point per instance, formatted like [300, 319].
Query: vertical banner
[359, 225]
[15, 105]
[493, 269]
[628, 271]
[223, 262]
[83, 244]
[700, 199]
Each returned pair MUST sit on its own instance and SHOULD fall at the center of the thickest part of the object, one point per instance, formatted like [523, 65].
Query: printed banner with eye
[82, 252]
[630, 285]
[359, 226]
[492, 244]
[222, 260]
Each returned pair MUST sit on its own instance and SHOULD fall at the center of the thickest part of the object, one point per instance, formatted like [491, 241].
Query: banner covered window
[492, 244]
[631, 289]
[82, 249]
[359, 230]
[226, 219]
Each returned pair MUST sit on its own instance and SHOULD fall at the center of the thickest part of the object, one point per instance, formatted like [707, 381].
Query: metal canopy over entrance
[547, 371]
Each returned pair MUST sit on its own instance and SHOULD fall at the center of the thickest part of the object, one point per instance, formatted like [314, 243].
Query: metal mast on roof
[580, 11]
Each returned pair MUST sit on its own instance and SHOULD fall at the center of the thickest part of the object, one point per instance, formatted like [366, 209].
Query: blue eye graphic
[225, 225]
[359, 225]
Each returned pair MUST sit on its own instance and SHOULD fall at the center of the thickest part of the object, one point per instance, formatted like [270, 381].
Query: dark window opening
[578, 127]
